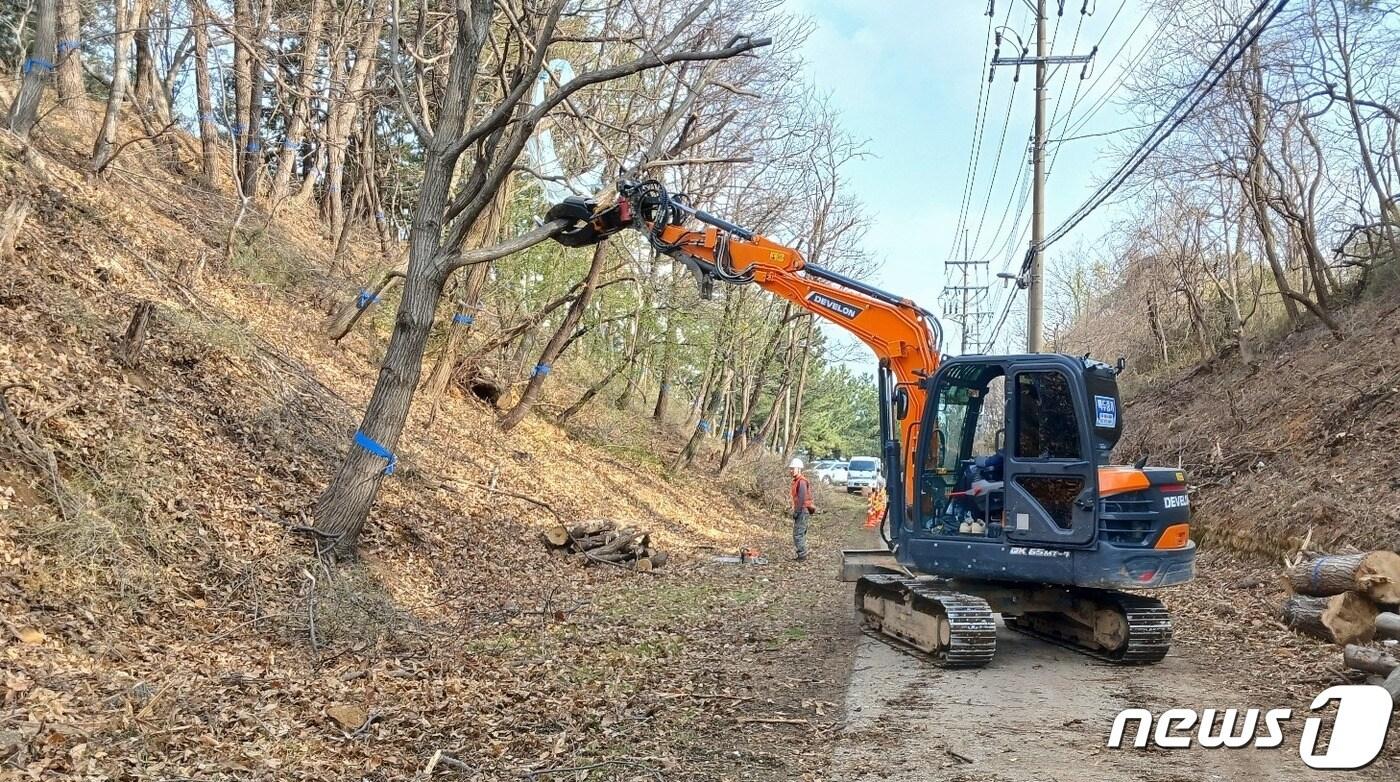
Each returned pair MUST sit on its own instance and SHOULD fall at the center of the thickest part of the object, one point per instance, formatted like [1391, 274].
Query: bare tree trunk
[150, 96]
[344, 106]
[668, 358]
[24, 112]
[208, 131]
[299, 110]
[1155, 323]
[687, 455]
[795, 433]
[1254, 189]
[486, 231]
[553, 347]
[127, 11]
[595, 389]
[69, 50]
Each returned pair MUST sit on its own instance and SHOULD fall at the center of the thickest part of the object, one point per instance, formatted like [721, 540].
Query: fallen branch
[349, 314]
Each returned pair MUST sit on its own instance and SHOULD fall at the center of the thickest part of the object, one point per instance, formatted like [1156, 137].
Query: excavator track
[954, 630]
[1140, 628]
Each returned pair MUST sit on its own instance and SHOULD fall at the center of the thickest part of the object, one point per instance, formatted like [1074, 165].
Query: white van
[863, 472]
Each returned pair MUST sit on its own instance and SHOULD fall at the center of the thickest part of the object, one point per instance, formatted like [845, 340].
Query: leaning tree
[471, 137]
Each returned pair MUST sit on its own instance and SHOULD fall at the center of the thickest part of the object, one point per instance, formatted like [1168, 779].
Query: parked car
[830, 472]
[863, 472]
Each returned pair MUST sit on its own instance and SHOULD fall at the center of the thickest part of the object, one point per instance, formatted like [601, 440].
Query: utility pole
[1035, 283]
[1035, 286]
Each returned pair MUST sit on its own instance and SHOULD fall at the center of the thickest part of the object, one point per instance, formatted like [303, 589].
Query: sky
[907, 75]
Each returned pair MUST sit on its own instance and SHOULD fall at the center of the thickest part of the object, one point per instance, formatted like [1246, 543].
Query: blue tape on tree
[463, 320]
[704, 426]
[1316, 571]
[65, 47]
[39, 63]
[254, 146]
[365, 299]
[366, 442]
[541, 369]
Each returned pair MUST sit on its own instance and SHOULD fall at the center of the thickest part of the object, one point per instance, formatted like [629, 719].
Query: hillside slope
[1303, 445]
[165, 620]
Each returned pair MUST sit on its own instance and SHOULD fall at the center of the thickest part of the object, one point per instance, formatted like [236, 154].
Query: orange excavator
[1003, 497]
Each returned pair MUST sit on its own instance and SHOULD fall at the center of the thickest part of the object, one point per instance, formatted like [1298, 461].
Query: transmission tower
[966, 302]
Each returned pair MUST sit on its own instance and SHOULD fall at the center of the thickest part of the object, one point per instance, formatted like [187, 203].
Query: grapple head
[589, 224]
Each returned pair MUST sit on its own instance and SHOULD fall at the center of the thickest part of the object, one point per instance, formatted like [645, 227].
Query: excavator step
[1132, 629]
[955, 630]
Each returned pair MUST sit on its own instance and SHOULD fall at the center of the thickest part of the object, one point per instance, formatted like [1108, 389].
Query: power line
[1102, 100]
[979, 121]
[1231, 53]
[1240, 42]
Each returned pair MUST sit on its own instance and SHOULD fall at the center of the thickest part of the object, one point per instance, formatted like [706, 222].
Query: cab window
[1047, 424]
[945, 444]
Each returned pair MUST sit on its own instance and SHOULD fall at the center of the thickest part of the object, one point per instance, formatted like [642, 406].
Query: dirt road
[1040, 713]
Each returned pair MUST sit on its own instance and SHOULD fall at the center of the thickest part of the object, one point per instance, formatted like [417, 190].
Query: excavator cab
[1012, 480]
[1009, 451]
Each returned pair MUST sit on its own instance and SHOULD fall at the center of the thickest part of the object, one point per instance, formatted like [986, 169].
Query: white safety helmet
[795, 464]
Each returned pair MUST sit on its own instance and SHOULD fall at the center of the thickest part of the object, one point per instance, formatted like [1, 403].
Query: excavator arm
[903, 335]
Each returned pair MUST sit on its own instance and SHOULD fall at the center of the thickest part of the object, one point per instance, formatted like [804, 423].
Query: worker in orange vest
[802, 507]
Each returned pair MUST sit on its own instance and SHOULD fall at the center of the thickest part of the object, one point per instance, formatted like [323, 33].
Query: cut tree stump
[1342, 619]
[11, 221]
[1375, 574]
[556, 536]
[135, 338]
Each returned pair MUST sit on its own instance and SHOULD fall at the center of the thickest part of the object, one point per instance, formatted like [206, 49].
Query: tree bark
[242, 82]
[127, 11]
[24, 111]
[1342, 619]
[69, 50]
[556, 342]
[299, 111]
[150, 95]
[1375, 574]
[687, 455]
[345, 105]
[795, 433]
[208, 130]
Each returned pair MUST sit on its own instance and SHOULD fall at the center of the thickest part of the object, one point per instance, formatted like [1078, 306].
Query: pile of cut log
[604, 542]
[1337, 597]
[1351, 600]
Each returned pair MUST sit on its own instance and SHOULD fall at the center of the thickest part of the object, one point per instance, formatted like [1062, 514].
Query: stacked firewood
[603, 542]
[1339, 597]
[1351, 600]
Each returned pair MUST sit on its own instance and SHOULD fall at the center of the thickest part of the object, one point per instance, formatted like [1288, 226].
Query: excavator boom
[903, 335]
